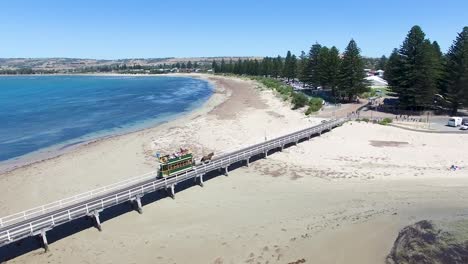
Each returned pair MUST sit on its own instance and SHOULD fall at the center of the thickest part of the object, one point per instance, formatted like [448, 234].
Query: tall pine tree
[382, 64]
[302, 68]
[288, 67]
[456, 72]
[351, 81]
[393, 72]
[331, 74]
[419, 71]
[312, 77]
[322, 66]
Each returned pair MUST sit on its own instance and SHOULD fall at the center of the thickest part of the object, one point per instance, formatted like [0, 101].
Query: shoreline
[64, 148]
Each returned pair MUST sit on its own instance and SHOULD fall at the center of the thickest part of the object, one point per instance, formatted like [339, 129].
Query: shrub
[315, 104]
[369, 94]
[365, 120]
[299, 100]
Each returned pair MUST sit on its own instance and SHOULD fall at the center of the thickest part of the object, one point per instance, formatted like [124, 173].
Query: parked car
[465, 121]
[464, 127]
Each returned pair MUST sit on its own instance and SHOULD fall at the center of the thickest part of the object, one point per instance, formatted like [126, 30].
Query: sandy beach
[338, 198]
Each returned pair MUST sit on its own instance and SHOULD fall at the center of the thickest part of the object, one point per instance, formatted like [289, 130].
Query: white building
[380, 73]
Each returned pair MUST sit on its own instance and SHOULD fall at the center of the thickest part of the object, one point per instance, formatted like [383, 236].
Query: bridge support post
[282, 147]
[247, 162]
[137, 203]
[45, 244]
[97, 221]
[171, 191]
[226, 171]
[201, 181]
[266, 154]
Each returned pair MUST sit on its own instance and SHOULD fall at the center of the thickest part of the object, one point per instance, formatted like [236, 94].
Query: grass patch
[385, 121]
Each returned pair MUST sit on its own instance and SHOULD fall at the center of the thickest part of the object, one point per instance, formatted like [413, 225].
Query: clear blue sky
[136, 29]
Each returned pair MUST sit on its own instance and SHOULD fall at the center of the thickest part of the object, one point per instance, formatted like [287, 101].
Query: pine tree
[456, 72]
[189, 65]
[312, 77]
[293, 67]
[286, 67]
[332, 69]
[214, 66]
[276, 67]
[237, 67]
[415, 73]
[222, 68]
[302, 68]
[289, 67]
[322, 65]
[351, 80]
[427, 75]
[382, 64]
[393, 73]
[440, 64]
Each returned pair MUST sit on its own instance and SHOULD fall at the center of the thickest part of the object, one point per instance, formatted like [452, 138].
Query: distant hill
[76, 63]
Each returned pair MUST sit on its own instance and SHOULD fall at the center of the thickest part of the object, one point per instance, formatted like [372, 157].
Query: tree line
[115, 68]
[322, 67]
[424, 78]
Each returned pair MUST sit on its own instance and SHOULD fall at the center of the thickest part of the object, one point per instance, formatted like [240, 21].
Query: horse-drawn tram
[176, 163]
[179, 162]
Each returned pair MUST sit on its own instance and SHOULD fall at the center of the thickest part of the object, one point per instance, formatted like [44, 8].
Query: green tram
[176, 163]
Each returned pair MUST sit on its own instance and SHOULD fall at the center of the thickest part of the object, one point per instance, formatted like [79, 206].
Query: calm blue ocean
[37, 112]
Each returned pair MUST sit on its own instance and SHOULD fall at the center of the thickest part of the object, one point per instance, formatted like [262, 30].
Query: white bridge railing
[30, 213]
[36, 220]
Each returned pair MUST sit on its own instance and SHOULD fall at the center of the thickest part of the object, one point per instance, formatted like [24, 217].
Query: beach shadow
[33, 243]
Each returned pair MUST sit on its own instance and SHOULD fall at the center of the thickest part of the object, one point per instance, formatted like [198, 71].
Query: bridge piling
[201, 180]
[266, 154]
[137, 203]
[97, 221]
[171, 191]
[247, 162]
[226, 171]
[45, 244]
[282, 147]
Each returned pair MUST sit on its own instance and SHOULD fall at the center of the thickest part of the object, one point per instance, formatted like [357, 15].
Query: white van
[455, 121]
